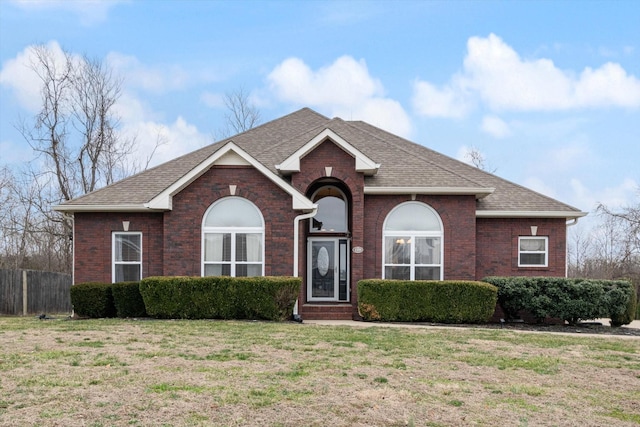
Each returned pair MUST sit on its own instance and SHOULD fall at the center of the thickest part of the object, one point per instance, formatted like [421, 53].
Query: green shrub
[431, 301]
[571, 300]
[621, 299]
[270, 298]
[127, 299]
[92, 299]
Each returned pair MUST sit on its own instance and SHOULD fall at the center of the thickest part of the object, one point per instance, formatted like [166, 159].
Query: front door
[328, 269]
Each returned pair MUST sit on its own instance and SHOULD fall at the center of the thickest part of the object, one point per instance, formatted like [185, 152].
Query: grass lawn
[224, 373]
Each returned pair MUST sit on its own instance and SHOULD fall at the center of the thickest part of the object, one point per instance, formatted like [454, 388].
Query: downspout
[296, 255]
[569, 223]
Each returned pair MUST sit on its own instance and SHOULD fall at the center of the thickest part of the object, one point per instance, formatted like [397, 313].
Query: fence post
[24, 293]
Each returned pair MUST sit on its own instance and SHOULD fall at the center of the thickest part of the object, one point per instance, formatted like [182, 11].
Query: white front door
[328, 269]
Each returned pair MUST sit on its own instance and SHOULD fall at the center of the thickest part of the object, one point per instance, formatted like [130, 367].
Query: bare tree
[241, 114]
[75, 136]
[478, 160]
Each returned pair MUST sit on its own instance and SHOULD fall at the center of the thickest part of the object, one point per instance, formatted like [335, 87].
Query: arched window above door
[332, 211]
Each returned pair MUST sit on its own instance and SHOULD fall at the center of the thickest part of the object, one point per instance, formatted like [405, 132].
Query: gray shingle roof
[402, 164]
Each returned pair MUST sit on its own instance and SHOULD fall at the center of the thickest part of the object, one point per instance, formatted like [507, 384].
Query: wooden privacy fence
[24, 292]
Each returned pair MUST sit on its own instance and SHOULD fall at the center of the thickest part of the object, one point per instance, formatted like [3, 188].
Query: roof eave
[105, 208]
[530, 214]
[478, 192]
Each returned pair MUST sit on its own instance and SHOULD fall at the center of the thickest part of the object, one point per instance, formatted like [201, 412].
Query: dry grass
[210, 373]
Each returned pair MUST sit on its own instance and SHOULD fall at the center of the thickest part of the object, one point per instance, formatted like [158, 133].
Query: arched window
[233, 239]
[412, 242]
[332, 211]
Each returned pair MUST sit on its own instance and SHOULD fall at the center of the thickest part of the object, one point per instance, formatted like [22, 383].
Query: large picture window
[533, 251]
[412, 243]
[233, 239]
[127, 257]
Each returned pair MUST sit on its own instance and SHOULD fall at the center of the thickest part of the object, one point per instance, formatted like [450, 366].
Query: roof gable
[363, 163]
[230, 153]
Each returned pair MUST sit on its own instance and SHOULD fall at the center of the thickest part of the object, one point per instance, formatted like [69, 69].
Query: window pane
[249, 247]
[532, 245]
[532, 259]
[412, 217]
[217, 247]
[233, 212]
[217, 270]
[127, 272]
[127, 247]
[397, 250]
[248, 270]
[427, 273]
[398, 273]
[331, 216]
[427, 250]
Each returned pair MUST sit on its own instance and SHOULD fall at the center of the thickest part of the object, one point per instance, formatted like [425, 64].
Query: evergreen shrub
[92, 299]
[569, 299]
[127, 299]
[220, 297]
[429, 301]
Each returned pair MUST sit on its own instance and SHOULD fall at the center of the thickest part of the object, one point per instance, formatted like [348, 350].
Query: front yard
[226, 373]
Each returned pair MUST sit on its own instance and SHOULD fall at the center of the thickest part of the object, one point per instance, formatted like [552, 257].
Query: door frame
[342, 269]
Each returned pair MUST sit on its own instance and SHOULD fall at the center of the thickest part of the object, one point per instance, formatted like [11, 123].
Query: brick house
[329, 200]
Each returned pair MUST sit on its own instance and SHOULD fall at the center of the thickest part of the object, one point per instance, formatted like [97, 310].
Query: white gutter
[296, 244]
[571, 222]
[529, 214]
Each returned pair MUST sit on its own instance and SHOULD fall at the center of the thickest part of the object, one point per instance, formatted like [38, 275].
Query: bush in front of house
[127, 299]
[92, 299]
[569, 299]
[269, 298]
[428, 301]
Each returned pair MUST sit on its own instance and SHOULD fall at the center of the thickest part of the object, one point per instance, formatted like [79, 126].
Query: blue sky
[547, 91]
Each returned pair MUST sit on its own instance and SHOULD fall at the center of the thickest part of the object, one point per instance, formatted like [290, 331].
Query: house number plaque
[357, 249]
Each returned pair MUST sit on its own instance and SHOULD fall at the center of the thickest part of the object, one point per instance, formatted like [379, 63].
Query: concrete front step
[327, 312]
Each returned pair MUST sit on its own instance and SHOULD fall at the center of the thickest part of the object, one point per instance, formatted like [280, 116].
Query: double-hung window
[533, 251]
[127, 257]
[413, 243]
[233, 239]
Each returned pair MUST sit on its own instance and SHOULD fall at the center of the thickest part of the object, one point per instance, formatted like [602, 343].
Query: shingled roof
[404, 167]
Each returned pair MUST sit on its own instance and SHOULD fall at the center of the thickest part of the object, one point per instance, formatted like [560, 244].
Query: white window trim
[412, 234]
[113, 253]
[545, 252]
[233, 231]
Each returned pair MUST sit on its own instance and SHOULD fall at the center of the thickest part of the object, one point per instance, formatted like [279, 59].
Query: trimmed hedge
[92, 299]
[430, 301]
[270, 298]
[571, 300]
[127, 299]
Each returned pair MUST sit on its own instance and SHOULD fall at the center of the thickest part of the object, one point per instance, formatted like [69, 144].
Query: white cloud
[89, 12]
[496, 75]
[449, 102]
[153, 79]
[495, 127]
[172, 140]
[212, 100]
[345, 88]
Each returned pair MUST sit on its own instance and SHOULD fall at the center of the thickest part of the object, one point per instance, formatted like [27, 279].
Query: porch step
[327, 311]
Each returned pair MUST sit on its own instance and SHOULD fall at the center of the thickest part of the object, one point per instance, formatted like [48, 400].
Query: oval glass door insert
[323, 261]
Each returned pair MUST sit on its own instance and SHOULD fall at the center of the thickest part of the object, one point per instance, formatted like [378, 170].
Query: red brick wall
[93, 237]
[497, 246]
[458, 219]
[183, 225]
